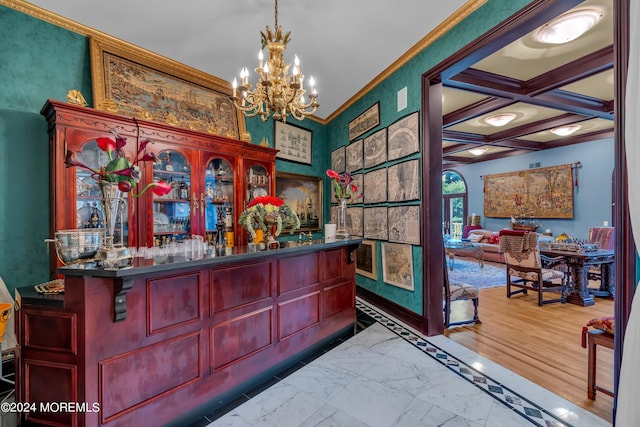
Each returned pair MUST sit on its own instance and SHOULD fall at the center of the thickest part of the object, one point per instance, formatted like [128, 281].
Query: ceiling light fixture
[498, 120]
[478, 151]
[277, 93]
[565, 130]
[570, 26]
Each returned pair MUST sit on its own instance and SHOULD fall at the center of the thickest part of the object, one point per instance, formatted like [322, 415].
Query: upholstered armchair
[527, 270]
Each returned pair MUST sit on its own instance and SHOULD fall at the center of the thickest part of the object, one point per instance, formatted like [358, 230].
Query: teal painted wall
[37, 61]
[409, 76]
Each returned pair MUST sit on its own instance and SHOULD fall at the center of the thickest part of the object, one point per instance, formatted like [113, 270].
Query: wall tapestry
[134, 82]
[538, 193]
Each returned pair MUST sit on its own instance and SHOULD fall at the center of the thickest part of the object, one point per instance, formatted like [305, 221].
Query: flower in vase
[266, 211]
[343, 185]
[119, 169]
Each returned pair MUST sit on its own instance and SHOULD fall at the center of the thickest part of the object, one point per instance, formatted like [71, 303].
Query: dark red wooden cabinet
[208, 172]
[192, 332]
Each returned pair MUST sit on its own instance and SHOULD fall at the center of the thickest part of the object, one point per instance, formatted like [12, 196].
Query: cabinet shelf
[171, 200]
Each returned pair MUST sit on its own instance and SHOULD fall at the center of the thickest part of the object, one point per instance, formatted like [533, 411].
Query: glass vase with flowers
[119, 175]
[345, 190]
[271, 215]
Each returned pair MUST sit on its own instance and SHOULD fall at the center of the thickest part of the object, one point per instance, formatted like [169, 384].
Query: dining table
[578, 264]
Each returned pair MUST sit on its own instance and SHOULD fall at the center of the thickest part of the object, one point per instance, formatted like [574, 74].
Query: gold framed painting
[303, 194]
[136, 82]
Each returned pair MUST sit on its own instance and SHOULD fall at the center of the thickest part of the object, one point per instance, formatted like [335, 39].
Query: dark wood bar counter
[163, 341]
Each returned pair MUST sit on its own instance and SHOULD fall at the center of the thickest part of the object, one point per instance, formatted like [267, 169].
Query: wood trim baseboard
[401, 313]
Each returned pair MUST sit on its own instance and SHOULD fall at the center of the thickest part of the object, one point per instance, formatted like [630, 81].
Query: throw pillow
[476, 238]
[605, 324]
[494, 239]
[468, 228]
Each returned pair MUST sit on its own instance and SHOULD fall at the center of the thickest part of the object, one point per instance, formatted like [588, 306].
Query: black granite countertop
[213, 257]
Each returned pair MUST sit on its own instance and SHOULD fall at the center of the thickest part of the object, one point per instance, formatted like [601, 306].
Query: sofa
[489, 241]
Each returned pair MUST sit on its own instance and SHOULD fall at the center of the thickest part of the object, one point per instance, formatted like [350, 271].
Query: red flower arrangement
[119, 169]
[343, 185]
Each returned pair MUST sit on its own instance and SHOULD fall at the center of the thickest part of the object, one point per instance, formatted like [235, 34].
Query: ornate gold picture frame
[303, 194]
[133, 81]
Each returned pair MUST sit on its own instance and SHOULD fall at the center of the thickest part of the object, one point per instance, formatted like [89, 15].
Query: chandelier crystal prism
[277, 93]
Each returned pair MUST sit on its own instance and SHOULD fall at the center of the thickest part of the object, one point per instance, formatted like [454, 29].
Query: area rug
[468, 272]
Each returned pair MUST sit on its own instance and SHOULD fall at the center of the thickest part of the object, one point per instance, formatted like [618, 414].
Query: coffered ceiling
[545, 86]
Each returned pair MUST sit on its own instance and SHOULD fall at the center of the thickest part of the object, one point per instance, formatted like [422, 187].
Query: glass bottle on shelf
[89, 207]
[219, 197]
[172, 213]
[257, 182]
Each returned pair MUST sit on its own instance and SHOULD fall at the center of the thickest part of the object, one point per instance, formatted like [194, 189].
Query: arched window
[454, 203]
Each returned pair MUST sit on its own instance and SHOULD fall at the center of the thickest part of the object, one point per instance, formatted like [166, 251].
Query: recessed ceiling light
[478, 151]
[500, 119]
[569, 26]
[565, 130]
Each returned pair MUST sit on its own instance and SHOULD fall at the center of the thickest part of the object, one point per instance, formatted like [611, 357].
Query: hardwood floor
[542, 344]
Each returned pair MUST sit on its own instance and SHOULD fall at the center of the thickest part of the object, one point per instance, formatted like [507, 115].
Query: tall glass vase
[110, 203]
[113, 254]
[341, 220]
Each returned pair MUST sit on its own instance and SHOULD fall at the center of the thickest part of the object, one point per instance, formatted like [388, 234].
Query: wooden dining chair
[458, 292]
[528, 270]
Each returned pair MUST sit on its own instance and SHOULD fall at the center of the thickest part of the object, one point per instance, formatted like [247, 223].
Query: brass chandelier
[277, 93]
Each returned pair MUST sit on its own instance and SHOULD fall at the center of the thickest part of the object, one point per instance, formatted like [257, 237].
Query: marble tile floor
[390, 375]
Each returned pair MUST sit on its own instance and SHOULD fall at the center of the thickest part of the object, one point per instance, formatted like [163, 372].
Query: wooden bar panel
[236, 286]
[300, 271]
[240, 337]
[298, 314]
[338, 298]
[172, 301]
[333, 260]
[49, 382]
[192, 332]
[50, 331]
[130, 379]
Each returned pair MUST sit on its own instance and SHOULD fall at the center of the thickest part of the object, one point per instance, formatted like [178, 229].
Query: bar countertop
[213, 257]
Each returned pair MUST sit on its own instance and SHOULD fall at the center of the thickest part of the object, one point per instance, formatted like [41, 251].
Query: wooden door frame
[432, 254]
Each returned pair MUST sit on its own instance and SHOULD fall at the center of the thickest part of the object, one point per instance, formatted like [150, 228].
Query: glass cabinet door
[172, 212]
[89, 208]
[219, 195]
[257, 182]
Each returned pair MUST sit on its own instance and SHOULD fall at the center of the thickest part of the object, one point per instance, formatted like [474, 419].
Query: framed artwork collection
[293, 142]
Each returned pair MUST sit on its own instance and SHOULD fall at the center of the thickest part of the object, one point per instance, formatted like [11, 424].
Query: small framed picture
[404, 137]
[375, 149]
[293, 142]
[338, 160]
[404, 224]
[354, 156]
[397, 265]
[366, 260]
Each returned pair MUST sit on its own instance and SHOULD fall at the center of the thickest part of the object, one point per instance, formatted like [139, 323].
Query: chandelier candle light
[277, 93]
